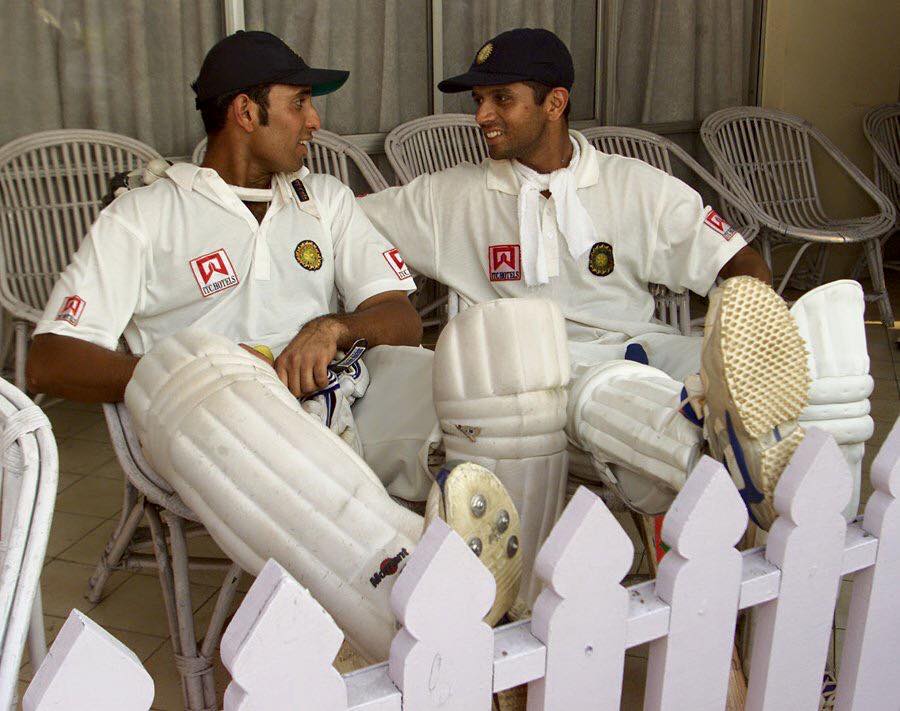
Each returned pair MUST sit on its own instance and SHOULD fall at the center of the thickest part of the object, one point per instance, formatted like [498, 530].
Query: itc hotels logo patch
[213, 272]
[71, 310]
[504, 262]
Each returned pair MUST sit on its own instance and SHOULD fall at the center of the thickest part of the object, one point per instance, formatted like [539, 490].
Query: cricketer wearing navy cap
[521, 81]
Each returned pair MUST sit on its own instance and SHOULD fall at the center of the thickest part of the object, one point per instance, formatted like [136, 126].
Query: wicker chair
[881, 127]
[51, 188]
[29, 477]
[766, 158]
[658, 151]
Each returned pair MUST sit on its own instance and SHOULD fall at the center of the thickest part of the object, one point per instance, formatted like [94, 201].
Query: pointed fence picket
[281, 643]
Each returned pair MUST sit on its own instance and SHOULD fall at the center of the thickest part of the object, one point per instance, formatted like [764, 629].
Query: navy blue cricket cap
[524, 54]
[247, 59]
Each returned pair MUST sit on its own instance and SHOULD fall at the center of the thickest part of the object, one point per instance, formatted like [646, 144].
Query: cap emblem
[484, 53]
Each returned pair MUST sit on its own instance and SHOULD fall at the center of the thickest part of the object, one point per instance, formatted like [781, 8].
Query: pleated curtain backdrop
[126, 66]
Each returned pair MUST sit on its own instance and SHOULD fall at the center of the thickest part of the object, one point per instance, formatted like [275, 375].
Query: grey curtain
[383, 43]
[119, 66]
[126, 66]
[678, 60]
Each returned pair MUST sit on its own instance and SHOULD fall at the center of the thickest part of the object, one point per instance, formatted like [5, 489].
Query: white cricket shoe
[476, 505]
[755, 381]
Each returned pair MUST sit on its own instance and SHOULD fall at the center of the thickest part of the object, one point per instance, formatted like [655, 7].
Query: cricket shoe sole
[755, 380]
[476, 505]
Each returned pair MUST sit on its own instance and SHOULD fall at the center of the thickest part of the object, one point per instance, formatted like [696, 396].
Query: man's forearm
[390, 322]
[77, 370]
[747, 262]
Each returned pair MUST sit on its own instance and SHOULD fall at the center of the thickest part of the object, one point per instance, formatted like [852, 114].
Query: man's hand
[303, 364]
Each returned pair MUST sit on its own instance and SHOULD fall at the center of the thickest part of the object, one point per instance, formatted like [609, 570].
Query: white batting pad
[831, 320]
[500, 373]
[626, 415]
[269, 481]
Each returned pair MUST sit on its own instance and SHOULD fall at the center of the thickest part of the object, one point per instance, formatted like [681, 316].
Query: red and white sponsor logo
[504, 262]
[393, 258]
[72, 308]
[714, 220]
[214, 272]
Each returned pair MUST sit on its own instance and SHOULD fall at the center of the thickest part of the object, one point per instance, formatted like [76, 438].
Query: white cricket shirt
[460, 227]
[185, 251]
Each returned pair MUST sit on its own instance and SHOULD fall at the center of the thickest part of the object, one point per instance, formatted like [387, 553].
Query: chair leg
[195, 669]
[879, 286]
[132, 513]
[214, 631]
[37, 638]
[21, 354]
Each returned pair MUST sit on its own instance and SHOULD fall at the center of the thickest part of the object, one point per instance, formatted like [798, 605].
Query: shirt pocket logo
[214, 273]
[600, 260]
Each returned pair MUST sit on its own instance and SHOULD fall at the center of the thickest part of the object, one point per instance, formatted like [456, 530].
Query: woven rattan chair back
[770, 154]
[433, 143]
[658, 151]
[766, 156]
[332, 154]
[881, 127]
[28, 481]
[51, 188]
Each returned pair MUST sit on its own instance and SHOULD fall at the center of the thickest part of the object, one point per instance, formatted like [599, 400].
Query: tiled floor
[90, 497]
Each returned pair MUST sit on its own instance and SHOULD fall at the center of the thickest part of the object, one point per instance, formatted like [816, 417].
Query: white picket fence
[280, 645]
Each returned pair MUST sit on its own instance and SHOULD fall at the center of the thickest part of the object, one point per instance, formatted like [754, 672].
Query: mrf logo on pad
[213, 272]
[389, 566]
[71, 310]
[715, 221]
[504, 262]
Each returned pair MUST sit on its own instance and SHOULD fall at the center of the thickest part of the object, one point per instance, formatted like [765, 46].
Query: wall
[830, 61]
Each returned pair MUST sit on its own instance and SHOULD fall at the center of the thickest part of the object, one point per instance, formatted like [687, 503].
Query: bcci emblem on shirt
[504, 262]
[600, 260]
[213, 272]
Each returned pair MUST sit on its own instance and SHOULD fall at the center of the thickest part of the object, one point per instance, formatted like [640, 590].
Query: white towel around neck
[572, 218]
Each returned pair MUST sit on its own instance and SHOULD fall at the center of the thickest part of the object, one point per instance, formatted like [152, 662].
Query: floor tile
[78, 456]
[886, 389]
[65, 481]
[68, 528]
[137, 606]
[110, 470]
[87, 550]
[633, 684]
[843, 605]
[96, 432]
[885, 410]
[67, 422]
[92, 496]
[63, 586]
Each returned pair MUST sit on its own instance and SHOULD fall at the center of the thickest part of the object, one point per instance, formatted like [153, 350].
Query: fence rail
[281, 644]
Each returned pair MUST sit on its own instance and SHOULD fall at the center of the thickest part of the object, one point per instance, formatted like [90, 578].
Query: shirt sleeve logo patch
[504, 262]
[308, 255]
[600, 260]
[71, 310]
[395, 261]
[214, 272]
[714, 221]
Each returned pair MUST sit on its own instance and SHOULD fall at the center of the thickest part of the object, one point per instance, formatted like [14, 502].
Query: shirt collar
[501, 176]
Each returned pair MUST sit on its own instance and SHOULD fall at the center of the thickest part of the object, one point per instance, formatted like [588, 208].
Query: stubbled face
[512, 123]
[281, 145]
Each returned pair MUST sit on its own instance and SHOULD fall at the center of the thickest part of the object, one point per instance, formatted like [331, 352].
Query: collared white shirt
[185, 251]
[460, 227]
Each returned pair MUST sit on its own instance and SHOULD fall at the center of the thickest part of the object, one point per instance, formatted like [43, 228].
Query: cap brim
[470, 79]
[322, 81]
